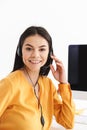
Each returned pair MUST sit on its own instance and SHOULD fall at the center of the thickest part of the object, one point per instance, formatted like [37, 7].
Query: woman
[28, 98]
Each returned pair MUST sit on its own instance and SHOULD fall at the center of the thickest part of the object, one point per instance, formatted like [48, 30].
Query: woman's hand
[59, 72]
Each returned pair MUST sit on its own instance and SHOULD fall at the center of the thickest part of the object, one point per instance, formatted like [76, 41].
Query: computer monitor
[77, 70]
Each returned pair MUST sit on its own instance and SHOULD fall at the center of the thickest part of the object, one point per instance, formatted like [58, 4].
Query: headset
[18, 51]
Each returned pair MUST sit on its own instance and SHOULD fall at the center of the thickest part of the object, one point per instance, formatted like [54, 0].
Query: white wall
[66, 21]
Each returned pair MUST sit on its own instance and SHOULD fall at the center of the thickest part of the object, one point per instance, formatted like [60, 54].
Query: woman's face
[35, 52]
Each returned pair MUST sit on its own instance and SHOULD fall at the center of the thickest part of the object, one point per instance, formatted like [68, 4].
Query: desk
[80, 104]
[77, 126]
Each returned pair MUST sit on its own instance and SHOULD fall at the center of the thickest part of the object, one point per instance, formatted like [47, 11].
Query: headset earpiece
[18, 51]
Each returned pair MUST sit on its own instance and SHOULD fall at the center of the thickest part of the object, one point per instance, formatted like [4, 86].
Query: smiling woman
[28, 98]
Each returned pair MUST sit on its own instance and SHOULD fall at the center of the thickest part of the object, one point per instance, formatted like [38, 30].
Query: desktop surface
[81, 111]
[80, 117]
[79, 95]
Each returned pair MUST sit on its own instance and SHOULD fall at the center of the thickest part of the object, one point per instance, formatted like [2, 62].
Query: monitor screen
[77, 67]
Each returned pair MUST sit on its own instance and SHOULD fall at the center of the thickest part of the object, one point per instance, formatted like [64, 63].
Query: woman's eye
[29, 49]
[42, 49]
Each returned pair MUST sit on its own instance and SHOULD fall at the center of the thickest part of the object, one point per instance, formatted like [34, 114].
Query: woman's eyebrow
[29, 45]
[42, 46]
[33, 46]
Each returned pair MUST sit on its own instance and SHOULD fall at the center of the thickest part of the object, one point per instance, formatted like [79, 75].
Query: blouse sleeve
[5, 95]
[64, 109]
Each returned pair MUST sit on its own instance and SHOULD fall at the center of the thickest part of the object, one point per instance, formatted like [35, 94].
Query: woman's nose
[35, 53]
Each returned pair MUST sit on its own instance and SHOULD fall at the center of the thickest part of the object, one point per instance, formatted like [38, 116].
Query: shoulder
[11, 78]
[15, 75]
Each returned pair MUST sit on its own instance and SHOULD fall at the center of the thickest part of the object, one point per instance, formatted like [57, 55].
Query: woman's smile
[35, 61]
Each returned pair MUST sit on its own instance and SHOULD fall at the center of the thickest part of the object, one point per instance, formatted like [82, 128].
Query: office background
[65, 20]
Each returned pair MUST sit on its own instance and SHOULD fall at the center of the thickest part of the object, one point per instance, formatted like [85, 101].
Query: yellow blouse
[19, 106]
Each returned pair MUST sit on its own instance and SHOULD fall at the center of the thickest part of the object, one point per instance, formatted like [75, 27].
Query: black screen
[77, 67]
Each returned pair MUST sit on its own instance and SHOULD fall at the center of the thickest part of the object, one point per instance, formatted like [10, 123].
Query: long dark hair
[33, 30]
